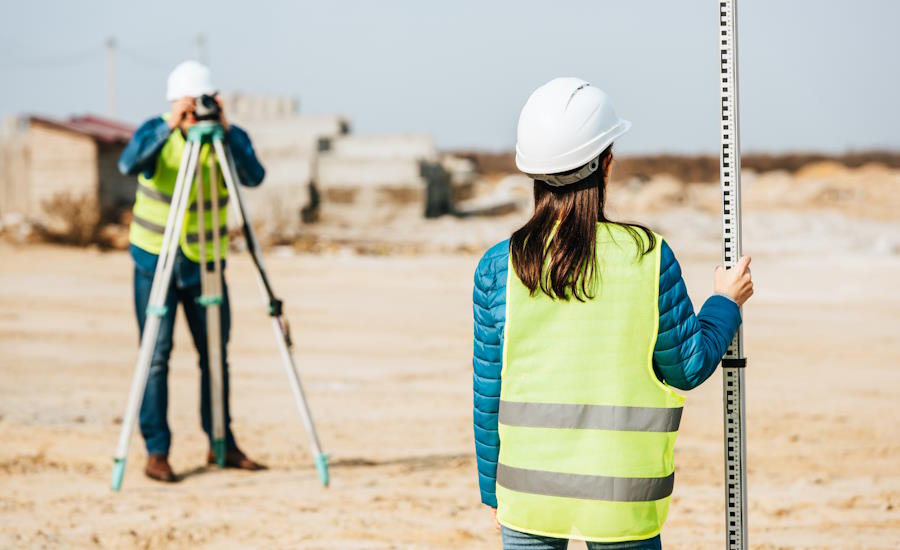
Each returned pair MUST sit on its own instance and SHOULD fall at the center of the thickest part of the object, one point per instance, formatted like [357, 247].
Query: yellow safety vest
[586, 429]
[154, 195]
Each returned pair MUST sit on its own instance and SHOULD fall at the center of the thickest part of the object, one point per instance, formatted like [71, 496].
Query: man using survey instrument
[154, 156]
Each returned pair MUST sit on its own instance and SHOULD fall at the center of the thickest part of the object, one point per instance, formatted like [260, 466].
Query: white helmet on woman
[566, 124]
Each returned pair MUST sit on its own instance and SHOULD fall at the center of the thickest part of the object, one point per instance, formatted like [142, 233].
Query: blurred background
[384, 107]
[387, 132]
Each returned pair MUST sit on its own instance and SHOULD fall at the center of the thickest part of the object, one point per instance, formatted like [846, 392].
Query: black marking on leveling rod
[734, 362]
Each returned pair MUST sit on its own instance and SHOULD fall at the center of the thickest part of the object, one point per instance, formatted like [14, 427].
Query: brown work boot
[158, 468]
[234, 458]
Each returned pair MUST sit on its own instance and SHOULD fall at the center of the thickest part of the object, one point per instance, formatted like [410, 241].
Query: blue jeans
[515, 540]
[185, 289]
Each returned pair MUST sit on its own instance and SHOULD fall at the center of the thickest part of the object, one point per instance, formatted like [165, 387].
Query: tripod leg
[155, 308]
[279, 326]
[213, 296]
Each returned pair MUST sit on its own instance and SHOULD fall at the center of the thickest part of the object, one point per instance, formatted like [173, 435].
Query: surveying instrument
[734, 361]
[208, 131]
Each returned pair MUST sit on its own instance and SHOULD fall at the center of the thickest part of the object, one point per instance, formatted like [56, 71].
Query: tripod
[212, 134]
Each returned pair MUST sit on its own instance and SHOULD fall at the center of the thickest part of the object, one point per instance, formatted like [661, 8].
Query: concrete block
[338, 171]
[276, 209]
[242, 106]
[284, 143]
[385, 147]
[296, 127]
[289, 172]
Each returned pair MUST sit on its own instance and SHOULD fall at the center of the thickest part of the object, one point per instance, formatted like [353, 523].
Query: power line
[61, 61]
[198, 47]
[53, 61]
[146, 60]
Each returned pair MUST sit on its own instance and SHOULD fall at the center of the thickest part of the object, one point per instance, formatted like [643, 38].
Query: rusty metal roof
[103, 130]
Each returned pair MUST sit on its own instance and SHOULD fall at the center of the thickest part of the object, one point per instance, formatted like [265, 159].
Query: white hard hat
[565, 124]
[189, 78]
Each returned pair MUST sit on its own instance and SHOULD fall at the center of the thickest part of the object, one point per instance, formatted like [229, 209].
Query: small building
[60, 173]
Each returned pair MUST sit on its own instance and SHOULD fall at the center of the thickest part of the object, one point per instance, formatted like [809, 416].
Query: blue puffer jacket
[688, 348]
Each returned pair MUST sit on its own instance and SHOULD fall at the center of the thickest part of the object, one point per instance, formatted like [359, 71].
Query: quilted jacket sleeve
[489, 308]
[689, 347]
[141, 153]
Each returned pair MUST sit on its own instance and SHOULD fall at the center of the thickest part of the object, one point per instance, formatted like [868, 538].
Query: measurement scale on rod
[734, 361]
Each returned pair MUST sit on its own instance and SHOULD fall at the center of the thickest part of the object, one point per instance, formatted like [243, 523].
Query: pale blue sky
[815, 75]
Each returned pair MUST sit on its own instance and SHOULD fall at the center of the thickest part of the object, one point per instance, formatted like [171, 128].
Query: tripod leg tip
[322, 468]
[118, 473]
[219, 450]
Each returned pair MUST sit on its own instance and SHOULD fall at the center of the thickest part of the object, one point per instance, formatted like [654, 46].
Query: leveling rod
[734, 361]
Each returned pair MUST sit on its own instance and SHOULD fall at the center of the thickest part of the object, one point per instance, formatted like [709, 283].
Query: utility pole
[111, 77]
[200, 51]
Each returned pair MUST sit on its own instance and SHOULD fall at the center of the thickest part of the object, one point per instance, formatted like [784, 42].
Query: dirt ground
[384, 345]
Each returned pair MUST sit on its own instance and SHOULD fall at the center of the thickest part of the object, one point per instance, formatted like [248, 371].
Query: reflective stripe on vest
[154, 196]
[189, 237]
[162, 197]
[586, 429]
[618, 489]
[589, 417]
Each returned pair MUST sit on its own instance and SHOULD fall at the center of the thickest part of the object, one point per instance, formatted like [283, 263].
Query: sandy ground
[384, 345]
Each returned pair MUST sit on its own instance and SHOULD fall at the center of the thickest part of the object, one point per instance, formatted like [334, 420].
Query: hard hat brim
[172, 96]
[572, 159]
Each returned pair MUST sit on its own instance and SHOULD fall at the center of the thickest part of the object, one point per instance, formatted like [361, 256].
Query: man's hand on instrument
[735, 282]
[182, 109]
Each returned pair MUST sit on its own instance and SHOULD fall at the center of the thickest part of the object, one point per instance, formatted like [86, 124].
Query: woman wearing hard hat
[582, 328]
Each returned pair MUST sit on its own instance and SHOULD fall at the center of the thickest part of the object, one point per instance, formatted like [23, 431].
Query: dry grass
[70, 219]
[694, 168]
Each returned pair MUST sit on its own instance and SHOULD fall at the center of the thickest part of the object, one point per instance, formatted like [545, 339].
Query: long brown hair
[555, 250]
